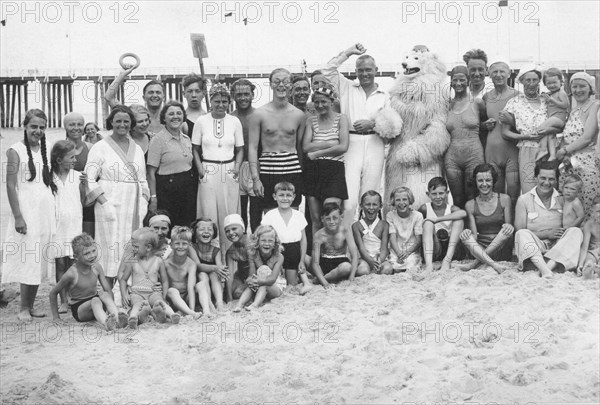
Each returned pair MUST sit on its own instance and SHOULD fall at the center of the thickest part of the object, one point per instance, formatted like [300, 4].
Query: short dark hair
[553, 72]
[437, 182]
[330, 207]
[153, 82]
[120, 108]
[171, 103]
[546, 165]
[483, 168]
[242, 82]
[475, 54]
[194, 78]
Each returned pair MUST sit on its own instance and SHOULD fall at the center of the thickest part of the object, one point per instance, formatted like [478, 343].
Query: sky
[89, 36]
[82, 38]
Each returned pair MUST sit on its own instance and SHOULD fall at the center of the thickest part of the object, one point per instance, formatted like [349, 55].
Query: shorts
[291, 255]
[245, 179]
[441, 240]
[75, 306]
[330, 263]
[276, 167]
[325, 178]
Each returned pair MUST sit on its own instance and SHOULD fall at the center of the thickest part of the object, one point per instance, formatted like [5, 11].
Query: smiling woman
[171, 180]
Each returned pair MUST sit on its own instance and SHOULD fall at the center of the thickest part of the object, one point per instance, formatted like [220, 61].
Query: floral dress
[585, 161]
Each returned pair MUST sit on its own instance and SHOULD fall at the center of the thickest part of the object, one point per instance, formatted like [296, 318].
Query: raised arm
[330, 71]
[111, 93]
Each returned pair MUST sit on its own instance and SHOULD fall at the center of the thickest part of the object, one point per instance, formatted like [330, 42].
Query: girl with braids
[30, 189]
[69, 210]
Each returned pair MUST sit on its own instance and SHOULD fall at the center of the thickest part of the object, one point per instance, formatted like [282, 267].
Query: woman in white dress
[116, 173]
[218, 145]
[31, 227]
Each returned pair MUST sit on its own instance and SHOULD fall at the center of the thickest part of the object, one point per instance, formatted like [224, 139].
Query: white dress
[121, 178]
[24, 257]
[69, 213]
[218, 191]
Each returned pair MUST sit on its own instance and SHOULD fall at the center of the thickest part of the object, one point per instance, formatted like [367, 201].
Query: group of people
[212, 176]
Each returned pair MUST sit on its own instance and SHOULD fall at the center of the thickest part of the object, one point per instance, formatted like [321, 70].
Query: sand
[453, 337]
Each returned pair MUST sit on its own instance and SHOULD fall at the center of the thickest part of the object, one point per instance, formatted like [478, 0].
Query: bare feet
[305, 289]
[111, 322]
[446, 264]
[158, 312]
[237, 309]
[251, 307]
[122, 320]
[590, 271]
[499, 269]
[465, 266]
[144, 312]
[197, 316]
[25, 316]
[133, 322]
[175, 318]
[64, 307]
[36, 313]
[546, 274]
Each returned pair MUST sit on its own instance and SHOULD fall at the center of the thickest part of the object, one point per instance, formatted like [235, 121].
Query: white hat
[529, 67]
[233, 219]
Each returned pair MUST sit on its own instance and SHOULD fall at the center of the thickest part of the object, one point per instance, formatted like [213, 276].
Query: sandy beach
[453, 337]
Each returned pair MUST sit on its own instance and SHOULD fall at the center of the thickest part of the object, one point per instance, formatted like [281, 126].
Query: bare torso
[279, 127]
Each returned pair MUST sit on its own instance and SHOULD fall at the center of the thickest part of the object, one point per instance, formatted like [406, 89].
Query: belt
[220, 162]
[363, 133]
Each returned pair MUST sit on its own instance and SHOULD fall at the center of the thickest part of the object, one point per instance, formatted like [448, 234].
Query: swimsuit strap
[369, 229]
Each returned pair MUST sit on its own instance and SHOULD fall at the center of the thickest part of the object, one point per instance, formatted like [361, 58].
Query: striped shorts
[276, 167]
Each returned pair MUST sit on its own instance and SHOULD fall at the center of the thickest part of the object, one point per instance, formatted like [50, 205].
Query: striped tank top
[331, 134]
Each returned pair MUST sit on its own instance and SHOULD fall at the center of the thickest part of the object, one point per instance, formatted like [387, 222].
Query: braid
[46, 176]
[30, 164]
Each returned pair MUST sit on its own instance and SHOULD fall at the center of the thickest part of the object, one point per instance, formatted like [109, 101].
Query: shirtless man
[499, 152]
[242, 91]
[330, 262]
[278, 128]
[153, 95]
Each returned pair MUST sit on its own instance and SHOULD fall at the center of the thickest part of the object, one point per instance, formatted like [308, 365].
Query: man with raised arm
[153, 95]
[360, 102]
[278, 127]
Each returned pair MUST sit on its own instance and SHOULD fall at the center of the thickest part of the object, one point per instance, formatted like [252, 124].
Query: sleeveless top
[370, 240]
[331, 134]
[207, 257]
[463, 125]
[440, 225]
[190, 125]
[81, 159]
[85, 286]
[489, 224]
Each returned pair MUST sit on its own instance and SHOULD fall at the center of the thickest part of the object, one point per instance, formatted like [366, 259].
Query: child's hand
[402, 257]
[374, 265]
[301, 267]
[327, 286]
[490, 124]
[125, 299]
[83, 179]
[223, 272]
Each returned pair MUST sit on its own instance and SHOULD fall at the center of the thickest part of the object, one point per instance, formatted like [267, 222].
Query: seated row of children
[262, 265]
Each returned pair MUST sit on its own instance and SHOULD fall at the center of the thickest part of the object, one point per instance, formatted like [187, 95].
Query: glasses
[285, 82]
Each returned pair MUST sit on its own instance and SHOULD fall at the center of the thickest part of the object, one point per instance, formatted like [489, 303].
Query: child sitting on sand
[406, 231]
[212, 274]
[331, 243]
[81, 281]
[371, 234]
[147, 292]
[181, 272]
[236, 256]
[266, 261]
[589, 258]
[558, 106]
[442, 225]
[290, 226]
[573, 213]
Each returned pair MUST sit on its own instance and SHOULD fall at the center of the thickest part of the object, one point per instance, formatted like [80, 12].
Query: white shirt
[290, 232]
[353, 99]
